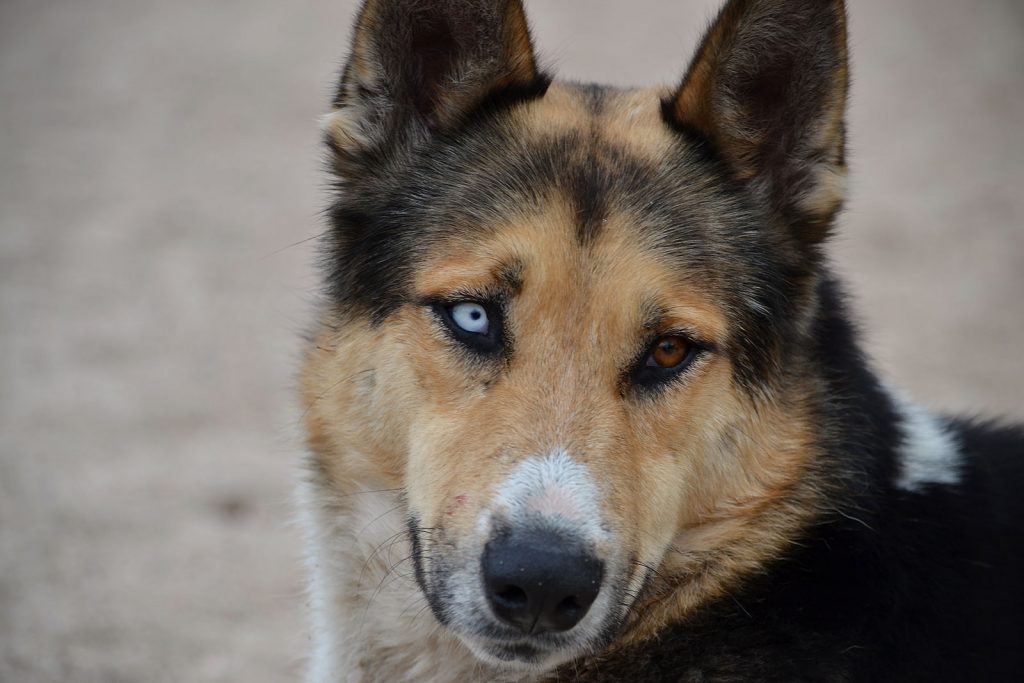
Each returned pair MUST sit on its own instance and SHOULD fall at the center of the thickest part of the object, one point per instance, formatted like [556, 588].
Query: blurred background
[159, 183]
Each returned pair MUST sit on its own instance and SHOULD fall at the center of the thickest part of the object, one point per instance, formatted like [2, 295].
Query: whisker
[294, 244]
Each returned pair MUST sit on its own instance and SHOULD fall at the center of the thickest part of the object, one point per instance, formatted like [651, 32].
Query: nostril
[512, 597]
[570, 604]
[568, 612]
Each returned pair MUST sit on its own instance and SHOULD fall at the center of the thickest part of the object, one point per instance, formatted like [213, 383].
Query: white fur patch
[554, 487]
[929, 453]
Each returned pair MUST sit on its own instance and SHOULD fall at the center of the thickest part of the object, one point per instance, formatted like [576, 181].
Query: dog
[584, 400]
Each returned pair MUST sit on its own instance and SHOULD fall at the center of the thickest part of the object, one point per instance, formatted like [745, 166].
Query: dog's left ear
[767, 89]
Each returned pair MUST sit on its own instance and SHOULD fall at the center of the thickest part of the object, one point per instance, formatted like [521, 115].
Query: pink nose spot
[456, 502]
[555, 501]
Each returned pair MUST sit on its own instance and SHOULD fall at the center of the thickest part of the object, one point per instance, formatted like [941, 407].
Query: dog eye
[470, 317]
[668, 356]
[668, 352]
[475, 324]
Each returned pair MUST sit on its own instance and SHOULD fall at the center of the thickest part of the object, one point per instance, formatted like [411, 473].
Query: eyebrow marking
[451, 284]
[653, 315]
[657, 321]
[510, 276]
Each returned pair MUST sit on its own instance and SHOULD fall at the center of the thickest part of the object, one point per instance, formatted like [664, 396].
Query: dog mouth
[529, 653]
[535, 652]
[493, 644]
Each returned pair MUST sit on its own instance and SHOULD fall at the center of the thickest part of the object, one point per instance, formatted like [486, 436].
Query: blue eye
[470, 317]
[477, 325]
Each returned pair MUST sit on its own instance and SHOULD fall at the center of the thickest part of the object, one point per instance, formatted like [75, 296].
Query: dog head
[568, 321]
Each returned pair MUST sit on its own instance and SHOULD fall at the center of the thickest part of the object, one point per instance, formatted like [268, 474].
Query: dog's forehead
[604, 150]
[596, 159]
[627, 120]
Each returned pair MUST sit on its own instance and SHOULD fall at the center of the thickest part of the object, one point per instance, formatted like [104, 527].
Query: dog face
[566, 321]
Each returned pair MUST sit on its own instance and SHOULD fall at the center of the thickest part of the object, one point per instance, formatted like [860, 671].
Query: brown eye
[668, 352]
[666, 359]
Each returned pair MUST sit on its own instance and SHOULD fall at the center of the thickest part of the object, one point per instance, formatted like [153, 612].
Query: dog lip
[523, 651]
[530, 649]
[508, 637]
[520, 651]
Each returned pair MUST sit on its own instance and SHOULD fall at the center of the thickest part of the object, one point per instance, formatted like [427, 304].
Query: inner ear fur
[767, 90]
[419, 66]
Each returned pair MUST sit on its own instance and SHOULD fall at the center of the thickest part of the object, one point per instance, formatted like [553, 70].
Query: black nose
[540, 581]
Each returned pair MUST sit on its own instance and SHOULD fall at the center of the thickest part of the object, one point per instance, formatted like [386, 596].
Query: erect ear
[767, 88]
[419, 66]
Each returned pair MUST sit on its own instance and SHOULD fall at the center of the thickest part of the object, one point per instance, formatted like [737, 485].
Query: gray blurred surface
[157, 159]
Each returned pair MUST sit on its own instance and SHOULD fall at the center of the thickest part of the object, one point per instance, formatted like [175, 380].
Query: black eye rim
[486, 343]
[652, 376]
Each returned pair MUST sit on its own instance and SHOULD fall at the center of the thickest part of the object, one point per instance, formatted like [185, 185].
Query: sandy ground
[157, 159]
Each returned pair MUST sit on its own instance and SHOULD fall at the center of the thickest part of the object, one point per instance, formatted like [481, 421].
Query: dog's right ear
[417, 67]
